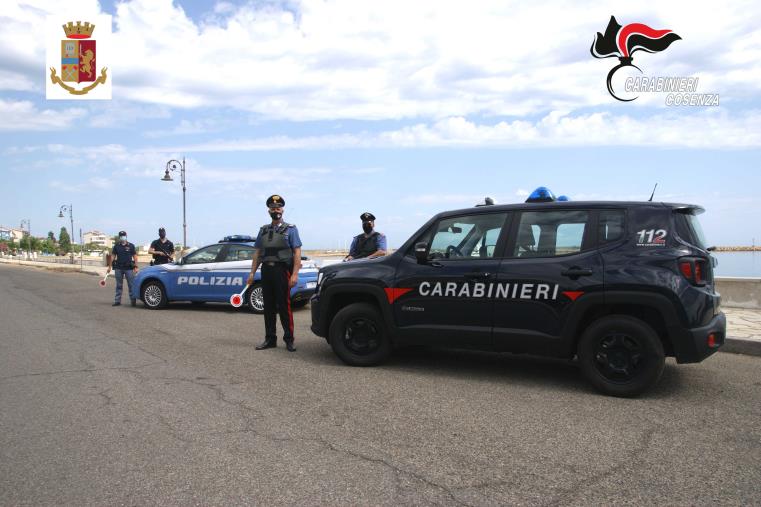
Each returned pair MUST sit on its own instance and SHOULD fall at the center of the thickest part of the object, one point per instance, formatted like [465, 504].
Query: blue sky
[396, 108]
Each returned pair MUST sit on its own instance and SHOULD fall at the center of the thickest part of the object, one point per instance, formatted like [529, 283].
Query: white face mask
[122, 238]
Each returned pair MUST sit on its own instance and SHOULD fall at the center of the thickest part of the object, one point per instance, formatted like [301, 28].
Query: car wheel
[358, 335]
[255, 297]
[154, 295]
[299, 304]
[621, 355]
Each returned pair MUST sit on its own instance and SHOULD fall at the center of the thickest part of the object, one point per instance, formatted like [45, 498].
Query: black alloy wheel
[621, 355]
[358, 335]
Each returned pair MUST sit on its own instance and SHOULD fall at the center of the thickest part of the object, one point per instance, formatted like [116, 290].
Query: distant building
[98, 238]
[11, 233]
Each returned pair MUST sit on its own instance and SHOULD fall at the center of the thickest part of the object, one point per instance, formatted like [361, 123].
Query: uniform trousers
[277, 300]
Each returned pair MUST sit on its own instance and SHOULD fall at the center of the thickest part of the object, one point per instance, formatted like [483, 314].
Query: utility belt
[273, 264]
[122, 267]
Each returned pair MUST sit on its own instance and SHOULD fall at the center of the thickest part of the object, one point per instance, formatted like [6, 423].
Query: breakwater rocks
[737, 249]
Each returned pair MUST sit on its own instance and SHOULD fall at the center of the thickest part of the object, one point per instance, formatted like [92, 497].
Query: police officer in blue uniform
[123, 259]
[278, 250]
[370, 243]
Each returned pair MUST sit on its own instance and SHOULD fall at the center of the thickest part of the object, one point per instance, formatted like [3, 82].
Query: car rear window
[689, 228]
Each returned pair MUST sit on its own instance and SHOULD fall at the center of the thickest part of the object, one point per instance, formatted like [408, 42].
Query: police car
[618, 285]
[213, 274]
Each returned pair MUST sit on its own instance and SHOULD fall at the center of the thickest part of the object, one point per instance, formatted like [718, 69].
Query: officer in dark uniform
[123, 259]
[162, 249]
[278, 249]
[370, 243]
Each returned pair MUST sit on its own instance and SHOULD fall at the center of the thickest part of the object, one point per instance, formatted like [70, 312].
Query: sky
[400, 108]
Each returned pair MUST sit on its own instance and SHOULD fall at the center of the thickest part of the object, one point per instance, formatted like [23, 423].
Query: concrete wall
[739, 292]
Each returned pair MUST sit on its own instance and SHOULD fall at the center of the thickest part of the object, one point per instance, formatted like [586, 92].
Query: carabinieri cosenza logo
[623, 41]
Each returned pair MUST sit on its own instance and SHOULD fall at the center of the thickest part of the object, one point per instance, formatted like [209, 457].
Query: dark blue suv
[619, 285]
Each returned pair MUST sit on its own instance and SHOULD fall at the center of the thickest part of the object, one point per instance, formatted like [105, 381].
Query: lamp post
[28, 224]
[70, 209]
[173, 165]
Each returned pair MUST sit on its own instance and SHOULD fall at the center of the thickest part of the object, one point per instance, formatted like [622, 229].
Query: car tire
[621, 355]
[255, 299]
[358, 335]
[299, 304]
[153, 295]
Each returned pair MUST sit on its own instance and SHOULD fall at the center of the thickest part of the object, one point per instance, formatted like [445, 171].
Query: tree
[64, 241]
[51, 237]
[48, 246]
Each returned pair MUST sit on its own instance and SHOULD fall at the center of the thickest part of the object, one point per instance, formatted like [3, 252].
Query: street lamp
[70, 209]
[173, 165]
[28, 224]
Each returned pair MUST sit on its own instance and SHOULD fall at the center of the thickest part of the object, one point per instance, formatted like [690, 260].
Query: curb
[742, 346]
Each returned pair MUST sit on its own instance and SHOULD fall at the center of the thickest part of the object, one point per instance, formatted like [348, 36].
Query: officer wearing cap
[123, 259]
[278, 250]
[162, 249]
[370, 243]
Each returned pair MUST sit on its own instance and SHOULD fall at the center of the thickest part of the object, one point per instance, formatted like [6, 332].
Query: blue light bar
[541, 194]
[563, 198]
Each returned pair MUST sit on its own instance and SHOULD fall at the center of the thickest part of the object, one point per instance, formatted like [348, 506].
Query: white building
[12, 233]
[98, 238]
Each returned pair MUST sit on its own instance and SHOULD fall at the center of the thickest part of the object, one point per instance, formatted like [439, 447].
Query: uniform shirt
[381, 239]
[167, 247]
[123, 255]
[292, 234]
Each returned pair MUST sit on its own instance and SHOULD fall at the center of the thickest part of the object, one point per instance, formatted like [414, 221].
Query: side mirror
[421, 252]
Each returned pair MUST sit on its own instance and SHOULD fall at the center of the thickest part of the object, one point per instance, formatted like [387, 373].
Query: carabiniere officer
[278, 249]
[370, 243]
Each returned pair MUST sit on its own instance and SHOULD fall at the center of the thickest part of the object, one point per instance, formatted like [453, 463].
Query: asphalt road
[102, 405]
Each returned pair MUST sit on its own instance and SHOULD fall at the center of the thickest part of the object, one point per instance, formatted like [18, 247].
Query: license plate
[311, 285]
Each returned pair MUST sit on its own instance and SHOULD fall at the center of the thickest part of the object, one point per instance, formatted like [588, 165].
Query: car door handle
[478, 275]
[576, 272]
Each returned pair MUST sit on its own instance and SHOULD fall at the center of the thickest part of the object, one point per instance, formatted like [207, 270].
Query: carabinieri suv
[618, 285]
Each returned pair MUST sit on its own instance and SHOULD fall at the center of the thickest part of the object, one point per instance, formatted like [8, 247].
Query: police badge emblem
[78, 61]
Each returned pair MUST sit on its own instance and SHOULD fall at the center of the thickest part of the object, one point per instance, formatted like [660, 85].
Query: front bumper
[302, 295]
[696, 346]
[314, 304]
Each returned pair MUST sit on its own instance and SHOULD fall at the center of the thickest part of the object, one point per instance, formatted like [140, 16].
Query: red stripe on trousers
[288, 302]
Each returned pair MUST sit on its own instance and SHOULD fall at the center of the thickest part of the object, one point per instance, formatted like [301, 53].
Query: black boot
[267, 344]
[289, 345]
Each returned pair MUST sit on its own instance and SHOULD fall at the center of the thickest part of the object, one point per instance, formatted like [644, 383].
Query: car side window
[203, 255]
[612, 225]
[239, 253]
[550, 233]
[466, 237]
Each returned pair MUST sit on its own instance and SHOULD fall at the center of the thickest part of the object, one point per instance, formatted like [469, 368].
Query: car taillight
[693, 269]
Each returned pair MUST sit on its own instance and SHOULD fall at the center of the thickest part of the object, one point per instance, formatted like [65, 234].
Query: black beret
[367, 216]
[275, 201]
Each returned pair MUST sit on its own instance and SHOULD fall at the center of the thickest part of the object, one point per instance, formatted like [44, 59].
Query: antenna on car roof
[651, 195]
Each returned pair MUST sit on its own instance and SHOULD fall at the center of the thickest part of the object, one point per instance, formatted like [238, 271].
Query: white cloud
[303, 60]
[19, 115]
[708, 129]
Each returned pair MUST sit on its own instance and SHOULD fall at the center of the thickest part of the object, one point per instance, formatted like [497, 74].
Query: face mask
[275, 215]
[162, 235]
[367, 227]
[122, 238]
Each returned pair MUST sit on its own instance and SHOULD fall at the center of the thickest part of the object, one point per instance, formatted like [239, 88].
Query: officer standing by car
[162, 249]
[278, 250]
[123, 259]
[370, 243]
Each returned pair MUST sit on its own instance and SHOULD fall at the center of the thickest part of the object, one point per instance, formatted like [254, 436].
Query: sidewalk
[743, 331]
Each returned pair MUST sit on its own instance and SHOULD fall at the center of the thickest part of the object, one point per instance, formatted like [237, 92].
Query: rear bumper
[697, 346]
